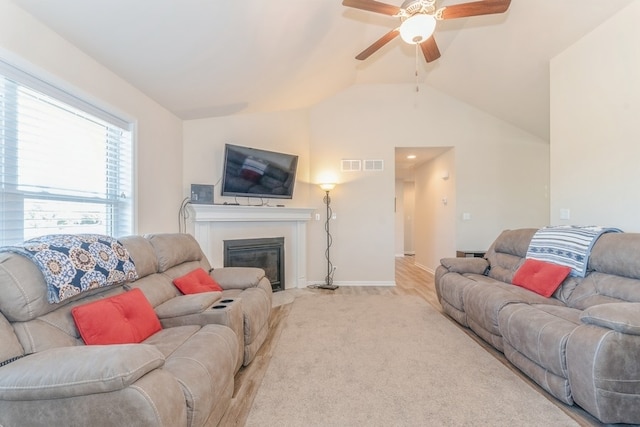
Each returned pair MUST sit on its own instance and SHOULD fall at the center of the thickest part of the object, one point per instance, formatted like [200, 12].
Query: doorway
[412, 224]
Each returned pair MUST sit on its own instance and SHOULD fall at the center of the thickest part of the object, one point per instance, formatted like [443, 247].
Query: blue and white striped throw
[568, 245]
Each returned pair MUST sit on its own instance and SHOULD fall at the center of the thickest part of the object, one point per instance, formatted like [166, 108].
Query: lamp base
[327, 286]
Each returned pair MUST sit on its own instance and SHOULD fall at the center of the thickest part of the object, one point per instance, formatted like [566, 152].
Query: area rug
[388, 360]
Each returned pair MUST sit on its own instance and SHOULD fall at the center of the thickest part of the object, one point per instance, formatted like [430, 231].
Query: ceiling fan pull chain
[417, 53]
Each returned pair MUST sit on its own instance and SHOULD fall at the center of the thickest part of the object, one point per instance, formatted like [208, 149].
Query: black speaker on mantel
[201, 194]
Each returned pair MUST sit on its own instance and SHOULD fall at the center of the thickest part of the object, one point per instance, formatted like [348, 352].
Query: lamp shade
[417, 28]
[328, 186]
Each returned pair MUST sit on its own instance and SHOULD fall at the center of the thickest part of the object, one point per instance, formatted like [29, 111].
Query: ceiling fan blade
[430, 49]
[486, 7]
[378, 44]
[372, 6]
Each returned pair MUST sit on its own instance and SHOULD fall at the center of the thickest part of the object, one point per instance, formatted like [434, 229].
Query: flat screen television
[251, 172]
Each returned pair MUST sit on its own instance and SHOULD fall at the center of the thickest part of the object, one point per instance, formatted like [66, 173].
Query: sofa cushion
[568, 245]
[142, 254]
[195, 282]
[540, 277]
[172, 249]
[514, 242]
[483, 304]
[76, 263]
[10, 347]
[616, 254]
[507, 253]
[603, 288]
[202, 359]
[24, 290]
[77, 371]
[535, 339]
[540, 333]
[121, 319]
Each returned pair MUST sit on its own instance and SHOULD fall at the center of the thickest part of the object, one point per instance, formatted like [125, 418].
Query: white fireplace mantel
[235, 213]
[212, 224]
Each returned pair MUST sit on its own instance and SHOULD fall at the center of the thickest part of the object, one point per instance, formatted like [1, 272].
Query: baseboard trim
[357, 283]
[425, 268]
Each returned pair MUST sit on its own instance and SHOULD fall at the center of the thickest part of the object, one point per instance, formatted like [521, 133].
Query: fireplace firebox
[266, 253]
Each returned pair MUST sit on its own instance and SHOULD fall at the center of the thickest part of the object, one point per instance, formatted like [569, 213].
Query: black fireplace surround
[266, 253]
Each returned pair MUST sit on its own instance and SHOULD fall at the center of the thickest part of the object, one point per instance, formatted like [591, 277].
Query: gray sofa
[182, 375]
[582, 344]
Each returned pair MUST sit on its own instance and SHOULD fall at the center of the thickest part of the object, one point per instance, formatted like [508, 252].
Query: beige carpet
[374, 360]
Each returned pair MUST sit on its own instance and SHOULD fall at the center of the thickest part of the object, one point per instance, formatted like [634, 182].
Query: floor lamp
[328, 281]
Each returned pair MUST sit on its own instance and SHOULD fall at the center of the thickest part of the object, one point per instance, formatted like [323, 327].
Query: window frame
[35, 79]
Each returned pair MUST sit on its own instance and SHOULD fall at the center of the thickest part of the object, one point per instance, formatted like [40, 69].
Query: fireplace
[212, 224]
[266, 253]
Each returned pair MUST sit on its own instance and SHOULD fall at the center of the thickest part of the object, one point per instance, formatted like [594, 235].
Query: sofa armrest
[622, 317]
[76, 371]
[238, 277]
[184, 305]
[465, 265]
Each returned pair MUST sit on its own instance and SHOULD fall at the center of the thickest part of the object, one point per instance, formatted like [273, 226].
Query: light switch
[466, 216]
[565, 213]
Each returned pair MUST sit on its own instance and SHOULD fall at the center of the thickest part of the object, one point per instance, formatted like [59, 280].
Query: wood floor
[410, 280]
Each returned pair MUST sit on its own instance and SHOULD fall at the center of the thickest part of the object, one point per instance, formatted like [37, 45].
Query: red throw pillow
[122, 319]
[196, 282]
[540, 277]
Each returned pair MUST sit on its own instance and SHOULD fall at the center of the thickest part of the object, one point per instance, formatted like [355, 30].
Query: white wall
[595, 137]
[409, 217]
[404, 212]
[494, 161]
[502, 172]
[28, 44]
[287, 131]
[435, 211]
[503, 183]
[204, 141]
[399, 217]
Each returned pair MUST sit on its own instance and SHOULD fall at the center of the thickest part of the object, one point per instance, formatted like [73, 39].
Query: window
[65, 165]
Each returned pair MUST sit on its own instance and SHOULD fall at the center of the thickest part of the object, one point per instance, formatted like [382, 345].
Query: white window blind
[65, 165]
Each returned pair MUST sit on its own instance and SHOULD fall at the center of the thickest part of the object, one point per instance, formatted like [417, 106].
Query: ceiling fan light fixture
[417, 28]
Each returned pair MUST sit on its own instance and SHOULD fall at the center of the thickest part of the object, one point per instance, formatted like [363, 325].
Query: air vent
[373, 165]
[350, 165]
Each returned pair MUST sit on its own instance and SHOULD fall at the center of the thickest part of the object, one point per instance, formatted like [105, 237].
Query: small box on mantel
[202, 194]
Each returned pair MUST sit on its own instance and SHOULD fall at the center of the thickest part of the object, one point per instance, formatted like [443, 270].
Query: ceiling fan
[418, 20]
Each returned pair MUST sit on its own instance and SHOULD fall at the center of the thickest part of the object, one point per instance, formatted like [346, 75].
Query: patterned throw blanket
[74, 263]
[566, 245]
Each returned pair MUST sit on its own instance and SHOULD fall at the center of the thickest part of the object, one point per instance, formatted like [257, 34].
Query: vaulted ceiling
[201, 58]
